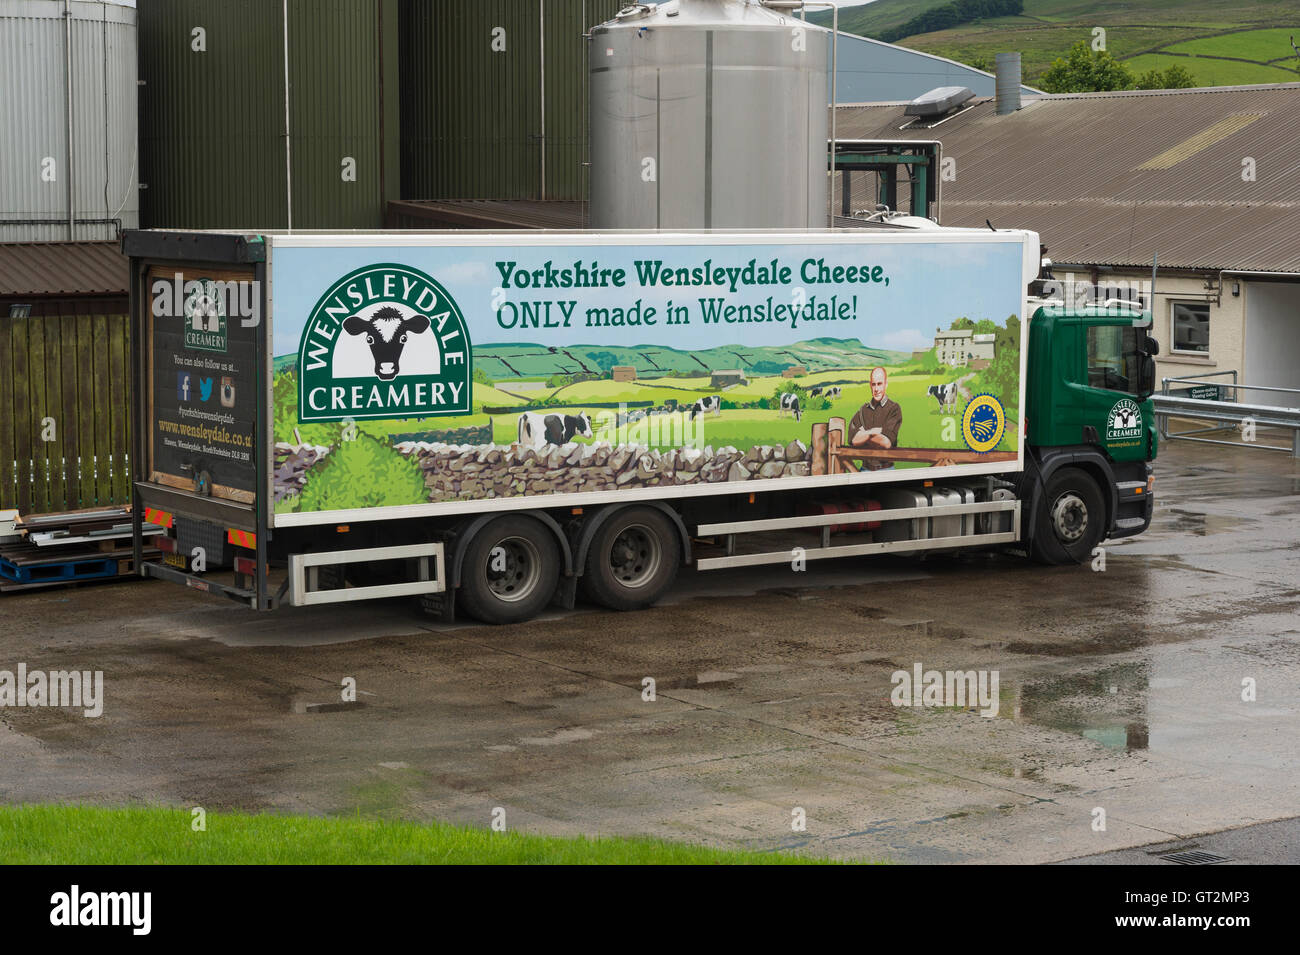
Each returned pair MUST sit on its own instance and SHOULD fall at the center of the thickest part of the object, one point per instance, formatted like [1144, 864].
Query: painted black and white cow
[833, 392]
[537, 430]
[711, 404]
[1124, 418]
[790, 404]
[815, 392]
[946, 395]
[386, 331]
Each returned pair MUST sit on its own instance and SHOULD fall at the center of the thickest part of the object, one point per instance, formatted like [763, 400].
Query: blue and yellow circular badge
[983, 423]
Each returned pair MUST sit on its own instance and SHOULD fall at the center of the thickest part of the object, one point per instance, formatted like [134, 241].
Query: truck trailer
[492, 423]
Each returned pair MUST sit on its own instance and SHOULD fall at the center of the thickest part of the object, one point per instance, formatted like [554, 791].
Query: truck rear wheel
[509, 571]
[633, 559]
[1070, 519]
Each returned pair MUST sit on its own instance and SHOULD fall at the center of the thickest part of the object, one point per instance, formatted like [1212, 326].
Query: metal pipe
[541, 41]
[67, 89]
[585, 177]
[835, 96]
[1255, 273]
[288, 164]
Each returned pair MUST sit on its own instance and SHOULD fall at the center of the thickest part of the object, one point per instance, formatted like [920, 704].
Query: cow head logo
[387, 332]
[384, 341]
[1124, 420]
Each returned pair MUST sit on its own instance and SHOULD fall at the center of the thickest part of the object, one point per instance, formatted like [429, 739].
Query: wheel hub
[634, 557]
[1070, 517]
[513, 569]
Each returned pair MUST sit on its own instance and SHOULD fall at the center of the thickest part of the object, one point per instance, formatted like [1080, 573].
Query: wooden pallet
[24, 566]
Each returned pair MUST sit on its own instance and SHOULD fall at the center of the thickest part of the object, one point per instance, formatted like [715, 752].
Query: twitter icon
[205, 389]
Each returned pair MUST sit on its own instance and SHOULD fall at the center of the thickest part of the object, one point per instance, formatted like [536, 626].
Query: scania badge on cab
[495, 422]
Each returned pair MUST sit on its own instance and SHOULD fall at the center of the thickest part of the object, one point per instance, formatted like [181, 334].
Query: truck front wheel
[633, 559]
[1070, 519]
[510, 570]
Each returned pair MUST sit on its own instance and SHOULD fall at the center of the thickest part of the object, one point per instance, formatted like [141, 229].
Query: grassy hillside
[1219, 44]
[526, 360]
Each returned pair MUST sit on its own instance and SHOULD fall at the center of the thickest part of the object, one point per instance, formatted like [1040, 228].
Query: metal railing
[1228, 415]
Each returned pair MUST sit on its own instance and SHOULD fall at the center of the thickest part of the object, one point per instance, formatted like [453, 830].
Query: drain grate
[1194, 857]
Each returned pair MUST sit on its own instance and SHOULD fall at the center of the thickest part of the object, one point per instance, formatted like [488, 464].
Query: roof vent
[938, 101]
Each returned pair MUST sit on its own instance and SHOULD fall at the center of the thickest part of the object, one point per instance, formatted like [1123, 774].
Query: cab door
[1107, 399]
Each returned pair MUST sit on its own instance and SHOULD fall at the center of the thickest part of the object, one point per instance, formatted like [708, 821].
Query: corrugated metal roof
[1208, 178]
[50, 269]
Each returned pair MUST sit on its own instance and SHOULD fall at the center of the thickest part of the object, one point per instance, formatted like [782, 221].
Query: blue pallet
[84, 569]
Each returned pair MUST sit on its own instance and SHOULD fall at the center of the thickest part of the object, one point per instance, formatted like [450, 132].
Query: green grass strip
[78, 835]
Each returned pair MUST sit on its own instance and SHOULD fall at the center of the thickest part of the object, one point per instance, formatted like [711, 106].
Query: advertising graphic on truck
[642, 364]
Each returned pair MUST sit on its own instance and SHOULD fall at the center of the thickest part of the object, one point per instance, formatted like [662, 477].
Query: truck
[495, 422]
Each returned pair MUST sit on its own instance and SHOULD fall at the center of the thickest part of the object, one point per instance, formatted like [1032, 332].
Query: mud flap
[442, 607]
[566, 593]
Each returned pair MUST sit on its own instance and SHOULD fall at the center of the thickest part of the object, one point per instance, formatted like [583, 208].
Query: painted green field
[740, 427]
[923, 425]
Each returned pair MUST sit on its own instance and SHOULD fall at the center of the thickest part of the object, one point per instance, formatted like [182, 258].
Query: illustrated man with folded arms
[877, 422]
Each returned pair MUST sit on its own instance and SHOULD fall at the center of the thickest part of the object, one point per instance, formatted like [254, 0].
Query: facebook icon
[183, 385]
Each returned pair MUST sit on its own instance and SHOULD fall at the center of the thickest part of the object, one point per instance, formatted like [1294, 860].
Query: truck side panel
[432, 375]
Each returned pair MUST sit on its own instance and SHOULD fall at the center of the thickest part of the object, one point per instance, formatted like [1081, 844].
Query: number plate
[176, 560]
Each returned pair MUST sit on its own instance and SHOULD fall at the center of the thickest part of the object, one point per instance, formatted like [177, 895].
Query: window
[1113, 357]
[1190, 331]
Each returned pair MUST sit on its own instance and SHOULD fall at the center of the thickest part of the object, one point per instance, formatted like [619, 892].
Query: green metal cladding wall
[212, 152]
[472, 114]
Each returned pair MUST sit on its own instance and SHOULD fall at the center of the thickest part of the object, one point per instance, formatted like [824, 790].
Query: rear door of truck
[199, 308]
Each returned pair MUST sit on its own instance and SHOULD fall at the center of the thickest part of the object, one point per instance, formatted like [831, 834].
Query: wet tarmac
[1153, 700]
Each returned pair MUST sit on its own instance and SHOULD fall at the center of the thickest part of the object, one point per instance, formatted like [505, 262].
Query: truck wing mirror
[1146, 377]
[1151, 346]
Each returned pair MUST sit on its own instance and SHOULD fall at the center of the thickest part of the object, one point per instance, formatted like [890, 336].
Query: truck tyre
[510, 570]
[632, 560]
[1070, 519]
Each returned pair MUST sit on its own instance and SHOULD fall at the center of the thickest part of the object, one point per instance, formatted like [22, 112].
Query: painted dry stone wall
[481, 434]
[488, 471]
[292, 462]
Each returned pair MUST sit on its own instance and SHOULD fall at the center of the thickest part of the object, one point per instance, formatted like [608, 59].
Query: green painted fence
[65, 403]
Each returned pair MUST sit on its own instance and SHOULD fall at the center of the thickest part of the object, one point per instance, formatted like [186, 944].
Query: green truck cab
[1089, 425]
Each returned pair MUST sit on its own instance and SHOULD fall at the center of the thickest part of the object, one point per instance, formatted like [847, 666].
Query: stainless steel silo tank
[708, 114]
[68, 158]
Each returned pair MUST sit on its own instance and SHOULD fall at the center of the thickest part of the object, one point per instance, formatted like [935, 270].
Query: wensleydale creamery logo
[1124, 420]
[385, 341]
[205, 316]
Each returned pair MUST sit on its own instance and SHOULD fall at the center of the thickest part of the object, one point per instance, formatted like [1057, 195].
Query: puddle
[1132, 637]
[1197, 524]
[1107, 706]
